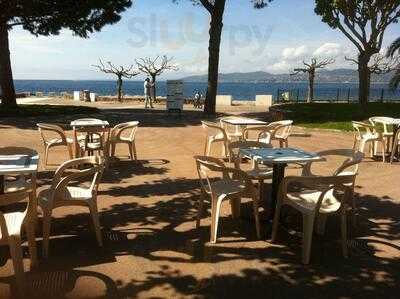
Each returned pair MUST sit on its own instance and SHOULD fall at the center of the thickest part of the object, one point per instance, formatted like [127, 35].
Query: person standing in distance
[147, 93]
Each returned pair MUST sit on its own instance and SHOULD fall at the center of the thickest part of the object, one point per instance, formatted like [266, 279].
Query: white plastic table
[244, 121]
[85, 123]
[17, 164]
[279, 158]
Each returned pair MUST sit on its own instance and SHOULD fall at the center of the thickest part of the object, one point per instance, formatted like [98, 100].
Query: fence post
[297, 96]
[382, 94]
[277, 95]
[337, 95]
[348, 95]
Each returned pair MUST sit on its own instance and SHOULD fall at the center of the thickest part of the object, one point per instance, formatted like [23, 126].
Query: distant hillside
[325, 76]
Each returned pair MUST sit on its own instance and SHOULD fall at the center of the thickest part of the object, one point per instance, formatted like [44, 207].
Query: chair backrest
[227, 127]
[381, 122]
[361, 128]
[15, 197]
[258, 130]
[103, 134]
[234, 149]
[77, 170]
[349, 163]
[120, 129]
[48, 130]
[281, 129]
[213, 129]
[206, 165]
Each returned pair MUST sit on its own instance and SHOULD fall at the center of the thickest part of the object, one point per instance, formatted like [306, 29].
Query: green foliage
[362, 21]
[48, 110]
[46, 17]
[336, 116]
[393, 50]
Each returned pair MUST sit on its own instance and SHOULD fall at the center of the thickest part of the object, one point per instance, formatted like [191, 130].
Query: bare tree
[119, 71]
[379, 64]
[155, 67]
[310, 69]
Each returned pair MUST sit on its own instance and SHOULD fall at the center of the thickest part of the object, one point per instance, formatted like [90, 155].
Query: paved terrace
[152, 249]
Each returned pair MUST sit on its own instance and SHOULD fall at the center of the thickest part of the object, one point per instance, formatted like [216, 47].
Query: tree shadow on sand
[163, 233]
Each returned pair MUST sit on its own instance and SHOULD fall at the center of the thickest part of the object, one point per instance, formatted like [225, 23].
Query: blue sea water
[239, 91]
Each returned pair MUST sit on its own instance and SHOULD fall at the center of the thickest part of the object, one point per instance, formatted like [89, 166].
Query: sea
[239, 91]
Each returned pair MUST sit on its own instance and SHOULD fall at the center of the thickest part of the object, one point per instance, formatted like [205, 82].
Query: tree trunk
[311, 77]
[364, 76]
[119, 88]
[6, 78]
[213, 59]
[153, 88]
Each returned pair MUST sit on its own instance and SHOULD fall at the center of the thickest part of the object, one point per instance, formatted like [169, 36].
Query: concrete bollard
[224, 100]
[264, 100]
[93, 97]
[77, 96]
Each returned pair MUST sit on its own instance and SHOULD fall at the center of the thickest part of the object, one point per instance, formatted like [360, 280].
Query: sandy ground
[152, 249]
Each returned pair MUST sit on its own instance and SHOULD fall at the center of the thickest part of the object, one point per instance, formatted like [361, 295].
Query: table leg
[277, 177]
[2, 184]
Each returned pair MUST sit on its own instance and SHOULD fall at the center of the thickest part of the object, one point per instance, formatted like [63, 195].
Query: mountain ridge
[341, 75]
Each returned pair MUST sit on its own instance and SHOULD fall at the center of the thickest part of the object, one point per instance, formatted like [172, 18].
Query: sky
[274, 39]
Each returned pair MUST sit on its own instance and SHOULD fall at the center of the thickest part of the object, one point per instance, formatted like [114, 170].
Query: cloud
[328, 49]
[280, 67]
[294, 53]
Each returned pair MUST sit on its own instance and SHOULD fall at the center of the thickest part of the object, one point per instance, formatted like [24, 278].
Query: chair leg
[18, 264]
[95, 218]
[200, 209]
[208, 151]
[113, 147]
[30, 232]
[354, 144]
[343, 228]
[215, 211]
[308, 228]
[134, 150]
[46, 156]
[383, 151]
[70, 153]
[130, 151]
[46, 232]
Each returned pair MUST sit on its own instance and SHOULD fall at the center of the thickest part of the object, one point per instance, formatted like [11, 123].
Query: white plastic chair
[61, 193]
[281, 132]
[215, 134]
[320, 195]
[345, 156]
[232, 184]
[53, 136]
[366, 134]
[118, 135]
[233, 132]
[13, 223]
[278, 130]
[396, 145]
[97, 141]
[383, 123]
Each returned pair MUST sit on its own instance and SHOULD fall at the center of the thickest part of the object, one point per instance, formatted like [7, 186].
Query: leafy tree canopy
[362, 21]
[46, 17]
